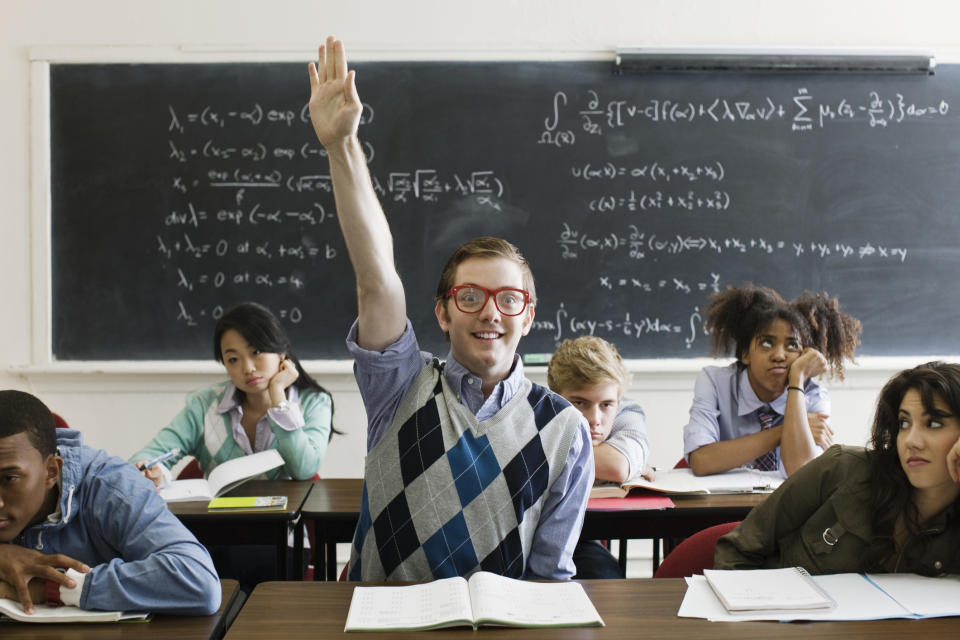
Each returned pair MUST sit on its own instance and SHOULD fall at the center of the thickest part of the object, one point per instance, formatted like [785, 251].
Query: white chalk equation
[674, 284]
[254, 215]
[187, 246]
[654, 171]
[639, 244]
[802, 111]
[216, 280]
[188, 315]
[253, 114]
[564, 323]
[638, 201]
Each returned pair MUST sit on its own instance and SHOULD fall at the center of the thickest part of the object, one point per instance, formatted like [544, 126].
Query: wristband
[797, 389]
[52, 593]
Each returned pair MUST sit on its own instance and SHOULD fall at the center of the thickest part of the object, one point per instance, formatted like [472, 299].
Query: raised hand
[335, 106]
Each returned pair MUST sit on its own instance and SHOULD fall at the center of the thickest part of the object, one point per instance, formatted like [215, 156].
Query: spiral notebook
[762, 589]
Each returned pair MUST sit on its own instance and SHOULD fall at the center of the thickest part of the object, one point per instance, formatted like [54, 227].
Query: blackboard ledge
[324, 367]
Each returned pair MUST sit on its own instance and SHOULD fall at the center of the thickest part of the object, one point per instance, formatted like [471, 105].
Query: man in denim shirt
[67, 506]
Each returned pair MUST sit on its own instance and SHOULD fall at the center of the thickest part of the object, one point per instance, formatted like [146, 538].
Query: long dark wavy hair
[737, 314]
[263, 331]
[890, 490]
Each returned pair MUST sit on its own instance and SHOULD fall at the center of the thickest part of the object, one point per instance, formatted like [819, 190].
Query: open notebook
[222, 479]
[682, 481]
[857, 597]
[485, 599]
[44, 614]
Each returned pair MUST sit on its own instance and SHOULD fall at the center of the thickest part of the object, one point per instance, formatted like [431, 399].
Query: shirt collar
[468, 385]
[230, 399]
[747, 400]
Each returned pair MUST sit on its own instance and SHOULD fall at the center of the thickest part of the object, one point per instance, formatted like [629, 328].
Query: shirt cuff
[288, 417]
[72, 596]
[165, 480]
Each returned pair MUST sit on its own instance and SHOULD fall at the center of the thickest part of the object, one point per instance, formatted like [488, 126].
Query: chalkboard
[180, 189]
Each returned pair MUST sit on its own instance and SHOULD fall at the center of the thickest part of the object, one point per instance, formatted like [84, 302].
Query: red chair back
[694, 554]
[59, 422]
[191, 471]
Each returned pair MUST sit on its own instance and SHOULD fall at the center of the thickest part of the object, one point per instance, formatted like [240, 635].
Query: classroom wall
[120, 407]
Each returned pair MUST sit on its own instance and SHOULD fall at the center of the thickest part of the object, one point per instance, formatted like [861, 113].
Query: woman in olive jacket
[893, 507]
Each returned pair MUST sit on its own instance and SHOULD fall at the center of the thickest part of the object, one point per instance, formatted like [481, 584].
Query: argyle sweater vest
[445, 495]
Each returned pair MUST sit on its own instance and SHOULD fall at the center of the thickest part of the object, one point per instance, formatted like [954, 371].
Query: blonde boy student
[589, 373]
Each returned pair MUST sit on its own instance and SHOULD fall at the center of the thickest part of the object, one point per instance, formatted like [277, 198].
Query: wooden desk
[691, 514]
[160, 626]
[250, 527]
[334, 506]
[630, 608]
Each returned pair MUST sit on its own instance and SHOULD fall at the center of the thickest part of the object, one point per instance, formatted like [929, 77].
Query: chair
[694, 554]
[191, 471]
[59, 422]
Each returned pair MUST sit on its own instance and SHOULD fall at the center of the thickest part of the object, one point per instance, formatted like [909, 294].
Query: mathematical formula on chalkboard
[634, 198]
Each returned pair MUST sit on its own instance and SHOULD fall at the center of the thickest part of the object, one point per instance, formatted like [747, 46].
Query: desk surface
[336, 502]
[160, 626]
[630, 608]
[296, 492]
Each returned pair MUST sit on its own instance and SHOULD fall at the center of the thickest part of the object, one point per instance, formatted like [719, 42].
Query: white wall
[120, 410]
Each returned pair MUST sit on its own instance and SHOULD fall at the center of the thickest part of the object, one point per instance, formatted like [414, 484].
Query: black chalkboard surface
[180, 189]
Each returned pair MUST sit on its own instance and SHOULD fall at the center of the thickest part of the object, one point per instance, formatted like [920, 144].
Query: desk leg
[282, 559]
[298, 547]
[622, 556]
[332, 561]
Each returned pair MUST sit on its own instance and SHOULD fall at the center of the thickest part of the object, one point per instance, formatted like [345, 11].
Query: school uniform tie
[768, 461]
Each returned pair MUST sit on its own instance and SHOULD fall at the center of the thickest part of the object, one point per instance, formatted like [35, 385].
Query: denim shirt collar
[469, 387]
[747, 400]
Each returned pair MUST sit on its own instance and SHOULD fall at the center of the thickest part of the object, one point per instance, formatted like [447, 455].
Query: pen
[160, 458]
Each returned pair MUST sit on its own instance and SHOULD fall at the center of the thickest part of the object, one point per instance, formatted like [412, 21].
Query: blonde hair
[587, 360]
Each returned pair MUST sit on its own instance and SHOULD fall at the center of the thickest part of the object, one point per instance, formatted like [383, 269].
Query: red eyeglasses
[470, 298]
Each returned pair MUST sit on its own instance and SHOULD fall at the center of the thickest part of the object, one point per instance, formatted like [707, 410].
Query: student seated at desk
[67, 506]
[270, 402]
[893, 507]
[764, 410]
[589, 373]
[470, 465]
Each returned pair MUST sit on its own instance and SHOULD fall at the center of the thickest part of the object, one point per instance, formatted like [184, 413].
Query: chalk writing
[802, 111]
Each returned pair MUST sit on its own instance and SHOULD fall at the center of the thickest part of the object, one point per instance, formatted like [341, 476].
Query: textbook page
[505, 601]
[922, 596]
[441, 603]
[46, 614]
[682, 481]
[225, 477]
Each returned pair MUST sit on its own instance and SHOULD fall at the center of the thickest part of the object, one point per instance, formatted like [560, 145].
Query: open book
[44, 613]
[222, 479]
[682, 481]
[857, 597]
[485, 599]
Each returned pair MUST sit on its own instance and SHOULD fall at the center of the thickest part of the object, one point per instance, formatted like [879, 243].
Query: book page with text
[440, 603]
[506, 601]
